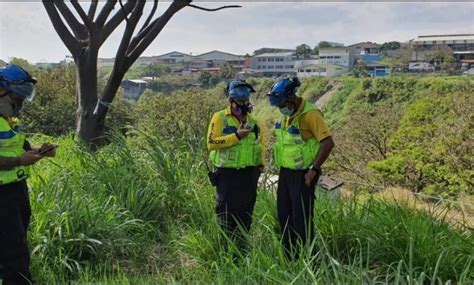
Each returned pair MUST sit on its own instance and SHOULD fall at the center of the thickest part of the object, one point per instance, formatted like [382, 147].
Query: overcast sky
[26, 32]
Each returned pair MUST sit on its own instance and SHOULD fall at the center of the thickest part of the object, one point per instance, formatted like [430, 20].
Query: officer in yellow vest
[16, 85]
[236, 146]
[303, 143]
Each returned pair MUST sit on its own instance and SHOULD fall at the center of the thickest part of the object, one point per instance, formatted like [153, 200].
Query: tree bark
[88, 128]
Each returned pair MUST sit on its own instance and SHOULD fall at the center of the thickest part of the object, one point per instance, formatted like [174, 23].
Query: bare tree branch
[121, 66]
[145, 28]
[77, 28]
[214, 9]
[105, 12]
[82, 14]
[137, 39]
[92, 9]
[156, 28]
[67, 38]
[116, 20]
[152, 12]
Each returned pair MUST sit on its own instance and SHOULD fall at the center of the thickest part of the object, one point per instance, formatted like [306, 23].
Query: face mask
[286, 111]
[18, 104]
[6, 106]
[241, 110]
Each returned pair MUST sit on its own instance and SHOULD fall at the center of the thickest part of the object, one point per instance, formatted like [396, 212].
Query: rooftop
[270, 54]
[444, 37]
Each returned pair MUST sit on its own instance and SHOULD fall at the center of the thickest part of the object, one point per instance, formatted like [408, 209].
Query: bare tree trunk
[88, 128]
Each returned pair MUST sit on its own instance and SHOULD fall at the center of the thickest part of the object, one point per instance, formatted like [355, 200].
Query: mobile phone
[48, 149]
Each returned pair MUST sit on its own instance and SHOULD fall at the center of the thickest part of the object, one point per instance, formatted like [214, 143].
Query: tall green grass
[142, 211]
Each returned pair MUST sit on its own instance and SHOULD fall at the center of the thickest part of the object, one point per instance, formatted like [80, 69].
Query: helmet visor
[240, 92]
[276, 100]
[26, 90]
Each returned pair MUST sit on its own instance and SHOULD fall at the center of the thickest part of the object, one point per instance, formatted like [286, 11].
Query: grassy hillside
[141, 209]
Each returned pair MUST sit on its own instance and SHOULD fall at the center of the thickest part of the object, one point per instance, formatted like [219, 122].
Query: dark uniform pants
[235, 199]
[295, 203]
[15, 215]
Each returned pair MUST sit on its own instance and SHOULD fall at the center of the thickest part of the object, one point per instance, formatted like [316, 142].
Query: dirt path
[323, 99]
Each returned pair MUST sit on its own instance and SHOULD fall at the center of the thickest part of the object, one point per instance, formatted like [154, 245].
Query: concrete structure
[320, 69]
[196, 64]
[274, 64]
[337, 55]
[47, 65]
[298, 63]
[174, 57]
[462, 46]
[101, 62]
[371, 58]
[364, 48]
[329, 188]
[134, 88]
[378, 69]
[219, 58]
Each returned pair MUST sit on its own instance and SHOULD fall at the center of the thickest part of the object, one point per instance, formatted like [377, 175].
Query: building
[298, 63]
[47, 65]
[174, 57]
[337, 55]
[102, 62]
[196, 64]
[219, 58]
[146, 60]
[377, 69]
[274, 64]
[321, 69]
[364, 48]
[462, 46]
[133, 88]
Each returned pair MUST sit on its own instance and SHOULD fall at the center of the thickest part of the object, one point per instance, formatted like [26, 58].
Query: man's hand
[29, 158]
[308, 177]
[242, 132]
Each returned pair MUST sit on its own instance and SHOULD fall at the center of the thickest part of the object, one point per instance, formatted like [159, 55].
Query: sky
[26, 31]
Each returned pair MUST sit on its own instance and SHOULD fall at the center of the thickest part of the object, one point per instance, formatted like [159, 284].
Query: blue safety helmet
[238, 89]
[16, 80]
[283, 90]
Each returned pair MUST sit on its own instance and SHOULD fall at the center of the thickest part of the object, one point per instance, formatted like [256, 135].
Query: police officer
[303, 143]
[16, 154]
[236, 146]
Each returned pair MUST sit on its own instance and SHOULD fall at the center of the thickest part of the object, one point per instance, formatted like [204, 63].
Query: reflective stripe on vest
[290, 150]
[11, 145]
[247, 152]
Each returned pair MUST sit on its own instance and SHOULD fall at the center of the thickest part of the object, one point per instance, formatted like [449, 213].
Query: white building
[320, 69]
[274, 64]
[462, 46]
[337, 55]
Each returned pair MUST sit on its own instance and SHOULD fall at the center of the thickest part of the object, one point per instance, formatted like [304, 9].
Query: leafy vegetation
[140, 210]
